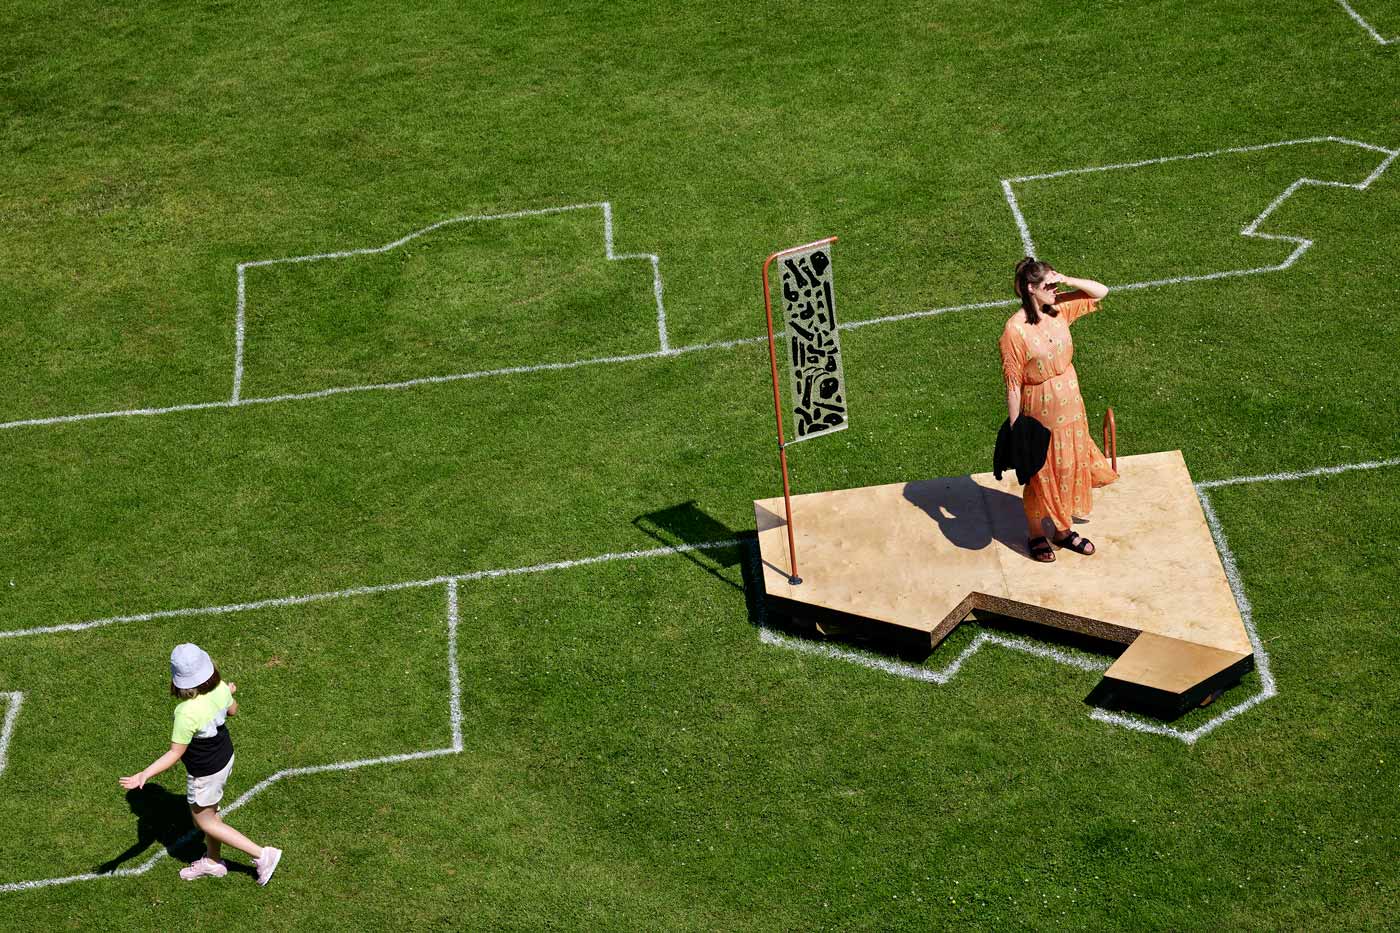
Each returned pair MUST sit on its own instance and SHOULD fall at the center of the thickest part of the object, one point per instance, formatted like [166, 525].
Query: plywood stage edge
[919, 555]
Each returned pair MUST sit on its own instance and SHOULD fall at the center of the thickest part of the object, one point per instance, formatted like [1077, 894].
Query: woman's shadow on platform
[970, 516]
[162, 818]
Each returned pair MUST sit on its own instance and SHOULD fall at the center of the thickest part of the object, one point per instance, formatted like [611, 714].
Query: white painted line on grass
[405, 384]
[1250, 229]
[506, 371]
[766, 636]
[455, 717]
[453, 678]
[239, 336]
[1026, 242]
[389, 386]
[1365, 25]
[16, 699]
[14, 886]
[1259, 147]
[666, 350]
[240, 316]
[225, 609]
[363, 590]
[655, 260]
[124, 413]
[454, 682]
[914, 672]
[1268, 688]
[1300, 474]
[932, 312]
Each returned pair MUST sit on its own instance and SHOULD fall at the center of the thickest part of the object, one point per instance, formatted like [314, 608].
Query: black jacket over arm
[1022, 448]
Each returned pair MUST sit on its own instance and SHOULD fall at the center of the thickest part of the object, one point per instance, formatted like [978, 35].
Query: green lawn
[633, 755]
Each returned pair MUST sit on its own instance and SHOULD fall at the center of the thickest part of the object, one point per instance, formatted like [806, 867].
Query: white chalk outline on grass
[364, 590]
[1301, 244]
[1268, 688]
[240, 317]
[668, 351]
[454, 718]
[928, 675]
[237, 400]
[1365, 25]
[766, 635]
[16, 699]
[454, 681]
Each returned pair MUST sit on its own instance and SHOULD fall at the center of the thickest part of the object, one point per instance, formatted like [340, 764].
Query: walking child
[201, 739]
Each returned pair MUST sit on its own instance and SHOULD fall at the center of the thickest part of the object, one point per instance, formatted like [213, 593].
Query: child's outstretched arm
[139, 779]
[233, 708]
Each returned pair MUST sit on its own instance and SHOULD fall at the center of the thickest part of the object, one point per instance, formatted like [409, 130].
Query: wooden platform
[915, 559]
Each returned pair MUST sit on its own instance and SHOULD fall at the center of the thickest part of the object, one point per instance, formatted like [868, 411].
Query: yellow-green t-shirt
[199, 723]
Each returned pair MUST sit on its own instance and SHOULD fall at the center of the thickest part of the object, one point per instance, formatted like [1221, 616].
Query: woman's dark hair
[1031, 271]
[189, 693]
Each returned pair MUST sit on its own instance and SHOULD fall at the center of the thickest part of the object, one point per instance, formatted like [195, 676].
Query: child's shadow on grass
[163, 818]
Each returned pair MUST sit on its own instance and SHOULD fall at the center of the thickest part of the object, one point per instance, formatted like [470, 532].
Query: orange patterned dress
[1038, 360]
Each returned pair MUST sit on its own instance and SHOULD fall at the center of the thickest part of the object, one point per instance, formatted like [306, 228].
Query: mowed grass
[634, 756]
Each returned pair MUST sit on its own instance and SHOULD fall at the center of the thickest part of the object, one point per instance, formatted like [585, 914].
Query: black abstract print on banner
[814, 352]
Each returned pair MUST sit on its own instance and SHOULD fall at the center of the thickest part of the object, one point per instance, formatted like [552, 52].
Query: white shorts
[208, 790]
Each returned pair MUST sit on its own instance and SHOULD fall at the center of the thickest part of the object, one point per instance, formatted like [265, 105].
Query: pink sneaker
[201, 868]
[266, 863]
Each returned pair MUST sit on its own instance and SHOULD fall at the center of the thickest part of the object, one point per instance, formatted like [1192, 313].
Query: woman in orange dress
[1037, 363]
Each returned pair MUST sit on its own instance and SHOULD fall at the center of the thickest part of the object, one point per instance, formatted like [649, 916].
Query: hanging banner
[814, 348]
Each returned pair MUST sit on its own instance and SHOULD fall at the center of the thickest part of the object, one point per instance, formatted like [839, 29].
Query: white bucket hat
[190, 666]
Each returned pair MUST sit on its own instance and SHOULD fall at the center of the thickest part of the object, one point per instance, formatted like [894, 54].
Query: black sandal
[1041, 550]
[1076, 543]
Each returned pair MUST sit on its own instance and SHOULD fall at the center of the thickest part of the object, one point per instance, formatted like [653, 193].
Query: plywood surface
[909, 553]
[1170, 664]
